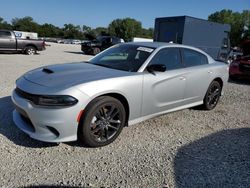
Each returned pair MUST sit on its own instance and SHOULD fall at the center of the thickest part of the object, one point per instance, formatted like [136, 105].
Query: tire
[30, 50]
[232, 77]
[102, 122]
[212, 96]
[96, 51]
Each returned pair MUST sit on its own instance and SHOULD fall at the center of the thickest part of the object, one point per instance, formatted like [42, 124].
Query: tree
[147, 33]
[72, 32]
[4, 24]
[86, 28]
[126, 28]
[25, 24]
[246, 28]
[237, 21]
[103, 31]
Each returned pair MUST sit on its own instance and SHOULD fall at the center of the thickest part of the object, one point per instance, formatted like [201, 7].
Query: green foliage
[4, 24]
[237, 21]
[25, 24]
[101, 31]
[147, 33]
[126, 28]
[72, 32]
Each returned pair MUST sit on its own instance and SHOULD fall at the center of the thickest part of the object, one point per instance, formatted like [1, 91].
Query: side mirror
[156, 68]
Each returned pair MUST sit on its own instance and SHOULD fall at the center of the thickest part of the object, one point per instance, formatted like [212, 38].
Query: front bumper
[46, 124]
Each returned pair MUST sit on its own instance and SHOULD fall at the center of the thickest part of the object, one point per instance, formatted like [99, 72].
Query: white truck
[26, 35]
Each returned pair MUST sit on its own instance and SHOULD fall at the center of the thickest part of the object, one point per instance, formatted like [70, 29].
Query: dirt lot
[189, 148]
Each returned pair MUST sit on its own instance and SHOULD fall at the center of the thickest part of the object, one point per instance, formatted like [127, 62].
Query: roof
[161, 44]
[165, 44]
[151, 44]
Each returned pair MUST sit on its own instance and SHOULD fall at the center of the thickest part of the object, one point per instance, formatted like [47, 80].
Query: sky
[99, 13]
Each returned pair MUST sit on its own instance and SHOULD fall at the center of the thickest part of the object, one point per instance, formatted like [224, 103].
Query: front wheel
[212, 96]
[102, 121]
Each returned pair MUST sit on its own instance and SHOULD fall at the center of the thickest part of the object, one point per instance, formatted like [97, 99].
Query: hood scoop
[48, 71]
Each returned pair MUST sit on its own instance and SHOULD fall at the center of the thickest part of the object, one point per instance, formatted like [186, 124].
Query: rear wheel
[96, 51]
[102, 121]
[212, 96]
[30, 50]
[232, 77]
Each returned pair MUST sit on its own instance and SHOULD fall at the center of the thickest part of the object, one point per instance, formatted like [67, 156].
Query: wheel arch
[117, 96]
[123, 100]
[30, 45]
[218, 79]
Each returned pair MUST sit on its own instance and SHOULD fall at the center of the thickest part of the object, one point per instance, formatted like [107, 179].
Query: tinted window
[5, 34]
[193, 58]
[170, 57]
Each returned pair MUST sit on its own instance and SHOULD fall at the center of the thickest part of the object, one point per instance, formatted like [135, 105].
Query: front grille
[245, 68]
[30, 97]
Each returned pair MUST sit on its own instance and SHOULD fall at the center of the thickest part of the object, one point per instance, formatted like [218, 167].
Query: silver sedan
[124, 85]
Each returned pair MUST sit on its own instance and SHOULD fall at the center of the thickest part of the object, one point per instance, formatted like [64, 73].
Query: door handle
[182, 78]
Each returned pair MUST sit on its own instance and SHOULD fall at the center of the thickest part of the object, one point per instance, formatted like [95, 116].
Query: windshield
[126, 57]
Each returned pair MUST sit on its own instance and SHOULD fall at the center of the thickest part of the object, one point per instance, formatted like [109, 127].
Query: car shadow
[240, 81]
[10, 131]
[71, 52]
[16, 53]
[221, 159]
[9, 52]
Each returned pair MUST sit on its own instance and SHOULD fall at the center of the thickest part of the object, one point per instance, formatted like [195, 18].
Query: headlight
[61, 100]
[47, 100]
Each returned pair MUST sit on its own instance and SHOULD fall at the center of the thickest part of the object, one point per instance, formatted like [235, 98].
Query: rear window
[193, 58]
[5, 34]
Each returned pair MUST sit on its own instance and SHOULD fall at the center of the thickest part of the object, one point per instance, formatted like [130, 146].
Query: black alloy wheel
[212, 96]
[103, 121]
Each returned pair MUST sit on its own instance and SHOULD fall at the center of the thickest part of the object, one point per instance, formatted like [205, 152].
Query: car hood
[66, 75]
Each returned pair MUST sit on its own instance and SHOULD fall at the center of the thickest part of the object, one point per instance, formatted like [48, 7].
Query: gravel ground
[188, 148]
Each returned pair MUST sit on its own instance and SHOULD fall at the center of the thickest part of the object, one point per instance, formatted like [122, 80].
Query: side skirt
[140, 119]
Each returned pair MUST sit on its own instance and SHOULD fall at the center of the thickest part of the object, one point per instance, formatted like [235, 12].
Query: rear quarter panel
[221, 70]
[22, 43]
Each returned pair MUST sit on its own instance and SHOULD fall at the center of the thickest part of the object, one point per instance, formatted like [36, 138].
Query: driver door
[163, 91]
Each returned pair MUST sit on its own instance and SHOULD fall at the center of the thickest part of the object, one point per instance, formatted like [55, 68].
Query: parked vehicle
[126, 84]
[26, 35]
[211, 37]
[240, 67]
[234, 54]
[101, 43]
[9, 42]
[139, 39]
[60, 41]
[76, 41]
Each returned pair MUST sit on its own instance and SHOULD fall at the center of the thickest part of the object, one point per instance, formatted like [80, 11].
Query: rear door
[198, 74]
[7, 41]
[164, 90]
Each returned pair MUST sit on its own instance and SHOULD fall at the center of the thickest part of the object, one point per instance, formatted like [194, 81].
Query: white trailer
[138, 39]
[26, 35]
